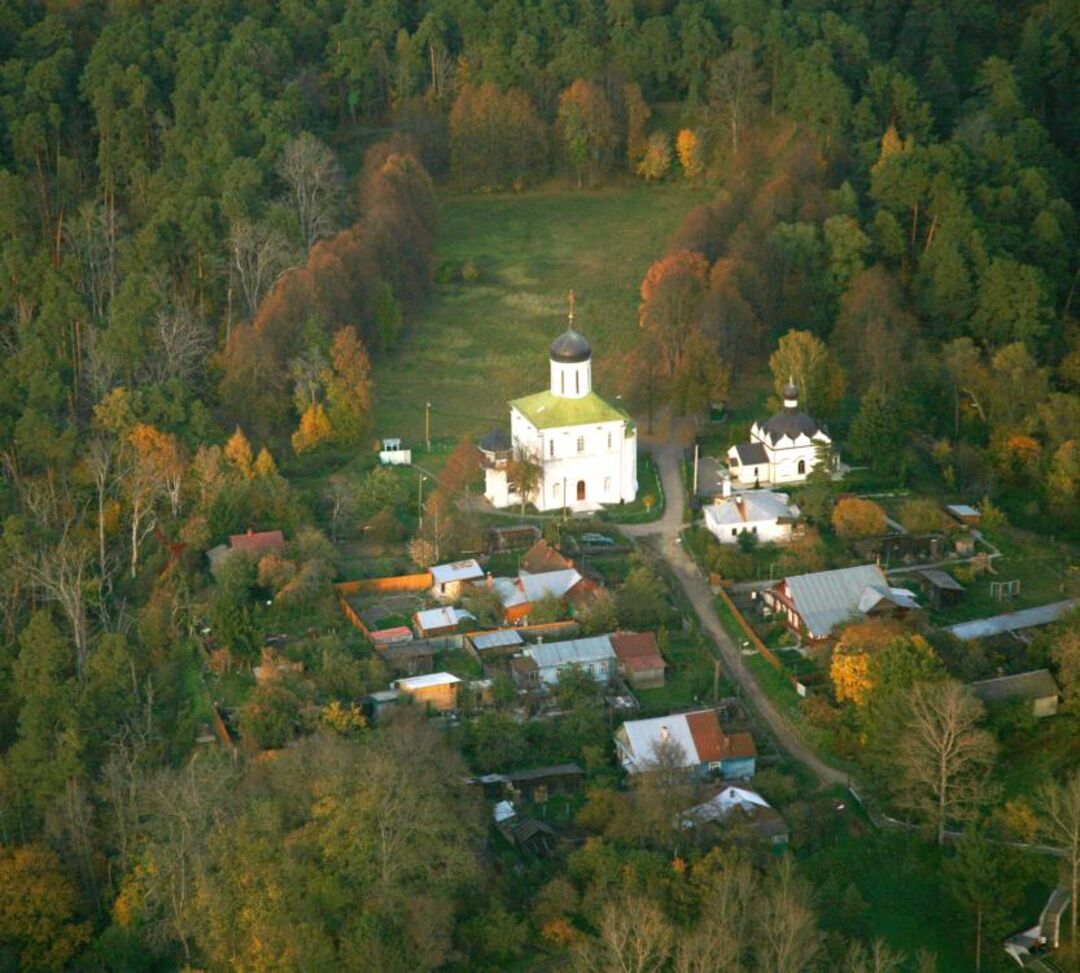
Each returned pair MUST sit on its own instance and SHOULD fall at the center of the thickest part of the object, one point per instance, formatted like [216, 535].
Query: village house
[437, 690]
[1037, 686]
[814, 604]
[595, 655]
[783, 449]
[254, 543]
[487, 647]
[695, 740]
[768, 516]
[518, 595]
[408, 658]
[638, 659]
[450, 581]
[542, 557]
[741, 806]
[585, 448]
[435, 622]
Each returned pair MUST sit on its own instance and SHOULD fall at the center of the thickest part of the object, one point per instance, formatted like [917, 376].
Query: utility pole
[427, 425]
[420, 502]
[694, 491]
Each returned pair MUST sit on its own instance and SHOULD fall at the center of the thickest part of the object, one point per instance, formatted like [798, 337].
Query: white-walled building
[767, 515]
[783, 449]
[586, 448]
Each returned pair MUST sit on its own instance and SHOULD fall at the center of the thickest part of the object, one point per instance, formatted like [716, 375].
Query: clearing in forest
[479, 343]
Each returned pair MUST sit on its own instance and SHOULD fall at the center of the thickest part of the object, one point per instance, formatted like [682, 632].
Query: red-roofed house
[705, 747]
[638, 659]
[258, 543]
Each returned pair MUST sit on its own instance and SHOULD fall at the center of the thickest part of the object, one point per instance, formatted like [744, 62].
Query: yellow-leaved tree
[688, 148]
[314, 428]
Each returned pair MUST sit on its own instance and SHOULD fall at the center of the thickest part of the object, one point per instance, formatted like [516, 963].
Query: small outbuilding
[964, 513]
[485, 647]
[638, 659]
[416, 658]
[1038, 686]
[450, 581]
[435, 622]
[738, 804]
[437, 690]
[941, 588]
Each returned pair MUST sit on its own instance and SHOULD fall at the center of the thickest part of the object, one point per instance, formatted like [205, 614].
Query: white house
[767, 515]
[783, 449]
[595, 655]
[586, 448]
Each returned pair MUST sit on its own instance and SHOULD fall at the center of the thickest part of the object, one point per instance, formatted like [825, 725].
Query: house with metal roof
[738, 804]
[1038, 686]
[449, 581]
[595, 655]
[433, 622]
[815, 604]
[519, 594]
[638, 659]
[485, 646]
[782, 449]
[437, 689]
[692, 741]
[768, 516]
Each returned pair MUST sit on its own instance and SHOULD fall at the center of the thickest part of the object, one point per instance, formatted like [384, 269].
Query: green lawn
[689, 679]
[899, 878]
[649, 486]
[477, 345]
[1041, 568]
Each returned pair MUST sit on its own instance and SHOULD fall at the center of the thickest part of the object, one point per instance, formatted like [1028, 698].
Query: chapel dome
[571, 347]
[790, 423]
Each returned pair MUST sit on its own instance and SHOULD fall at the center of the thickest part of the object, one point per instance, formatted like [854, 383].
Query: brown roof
[628, 645]
[739, 746]
[708, 737]
[258, 542]
[637, 651]
[543, 557]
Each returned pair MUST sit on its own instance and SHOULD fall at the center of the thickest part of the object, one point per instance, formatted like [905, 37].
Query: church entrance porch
[580, 490]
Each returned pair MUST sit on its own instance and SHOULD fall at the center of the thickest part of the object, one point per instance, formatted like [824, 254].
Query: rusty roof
[707, 736]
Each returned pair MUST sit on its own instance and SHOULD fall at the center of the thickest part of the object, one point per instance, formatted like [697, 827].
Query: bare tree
[735, 88]
[633, 936]
[90, 235]
[718, 943]
[788, 939]
[877, 959]
[315, 183]
[60, 571]
[182, 343]
[1059, 820]
[942, 756]
[339, 494]
[258, 254]
[100, 460]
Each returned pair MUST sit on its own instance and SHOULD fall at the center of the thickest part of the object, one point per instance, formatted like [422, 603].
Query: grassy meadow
[479, 343]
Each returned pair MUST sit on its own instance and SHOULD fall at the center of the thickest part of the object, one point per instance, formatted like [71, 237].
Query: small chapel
[782, 449]
[585, 447]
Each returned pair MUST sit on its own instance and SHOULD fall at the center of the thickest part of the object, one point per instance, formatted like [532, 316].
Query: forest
[220, 220]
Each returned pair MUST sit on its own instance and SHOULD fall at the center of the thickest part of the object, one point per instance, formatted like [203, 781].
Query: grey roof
[962, 510]
[751, 454]
[826, 598]
[548, 583]
[468, 570]
[757, 505]
[553, 654]
[1037, 684]
[983, 628]
[571, 346]
[791, 423]
[941, 579]
[496, 441]
[539, 773]
[495, 640]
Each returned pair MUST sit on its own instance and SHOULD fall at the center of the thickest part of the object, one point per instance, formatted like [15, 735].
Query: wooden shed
[437, 690]
[1038, 686]
[941, 588]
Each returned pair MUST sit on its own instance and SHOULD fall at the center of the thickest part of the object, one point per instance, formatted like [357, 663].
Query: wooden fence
[755, 639]
[403, 582]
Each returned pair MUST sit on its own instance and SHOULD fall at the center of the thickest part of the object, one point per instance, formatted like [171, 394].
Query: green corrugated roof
[546, 411]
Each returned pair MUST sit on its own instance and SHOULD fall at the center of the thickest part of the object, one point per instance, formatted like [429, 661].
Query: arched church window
[609, 440]
[562, 382]
[551, 448]
[581, 444]
[607, 485]
[577, 382]
[802, 467]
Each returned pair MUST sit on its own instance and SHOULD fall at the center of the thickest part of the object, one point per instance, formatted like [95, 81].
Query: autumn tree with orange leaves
[672, 297]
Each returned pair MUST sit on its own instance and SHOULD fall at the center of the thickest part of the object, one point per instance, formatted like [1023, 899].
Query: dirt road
[667, 446]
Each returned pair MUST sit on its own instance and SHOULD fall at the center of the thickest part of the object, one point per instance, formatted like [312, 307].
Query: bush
[470, 271]
[853, 517]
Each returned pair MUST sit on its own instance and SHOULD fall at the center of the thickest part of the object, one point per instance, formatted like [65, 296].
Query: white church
[782, 449]
[585, 447]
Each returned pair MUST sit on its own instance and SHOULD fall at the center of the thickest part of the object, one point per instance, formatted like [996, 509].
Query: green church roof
[547, 411]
